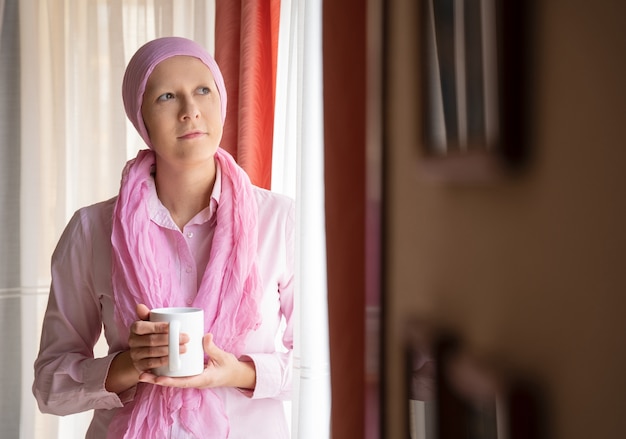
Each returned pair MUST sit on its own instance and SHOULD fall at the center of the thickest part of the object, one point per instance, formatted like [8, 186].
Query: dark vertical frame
[344, 76]
[11, 299]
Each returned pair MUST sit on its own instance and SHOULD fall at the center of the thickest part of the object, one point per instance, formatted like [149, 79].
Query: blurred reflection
[461, 84]
[422, 389]
[454, 395]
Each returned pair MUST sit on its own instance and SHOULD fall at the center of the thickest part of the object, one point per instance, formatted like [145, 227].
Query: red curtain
[246, 46]
[345, 102]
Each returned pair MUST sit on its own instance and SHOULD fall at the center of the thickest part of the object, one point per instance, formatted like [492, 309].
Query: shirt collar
[161, 216]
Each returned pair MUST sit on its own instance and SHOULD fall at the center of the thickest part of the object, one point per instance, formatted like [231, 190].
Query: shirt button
[188, 269]
[189, 235]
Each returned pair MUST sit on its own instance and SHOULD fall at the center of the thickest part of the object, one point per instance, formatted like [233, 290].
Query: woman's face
[181, 111]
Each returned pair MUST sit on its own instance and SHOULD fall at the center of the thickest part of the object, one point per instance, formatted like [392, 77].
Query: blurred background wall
[530, 270]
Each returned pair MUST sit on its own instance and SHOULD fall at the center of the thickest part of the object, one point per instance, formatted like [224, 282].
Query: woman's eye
[204, 90]
[165, 97]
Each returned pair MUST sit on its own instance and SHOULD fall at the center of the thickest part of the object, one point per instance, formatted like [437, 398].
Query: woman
[186, 229]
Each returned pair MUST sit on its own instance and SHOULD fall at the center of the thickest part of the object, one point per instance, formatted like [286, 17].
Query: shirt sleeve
[274, 370]
[68, 379]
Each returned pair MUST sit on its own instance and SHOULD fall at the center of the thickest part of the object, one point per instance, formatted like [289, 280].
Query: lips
[192, 135]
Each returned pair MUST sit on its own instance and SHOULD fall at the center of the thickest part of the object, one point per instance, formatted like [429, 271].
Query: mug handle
[173, 346]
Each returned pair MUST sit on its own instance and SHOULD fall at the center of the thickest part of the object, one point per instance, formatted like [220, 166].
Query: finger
[149, 363]
[137, 340]
[182, 382]
[215, 354]
[147, 377]
[141, 327]
[144, 353]
[145, 358]
[207, 344]
[143, 312]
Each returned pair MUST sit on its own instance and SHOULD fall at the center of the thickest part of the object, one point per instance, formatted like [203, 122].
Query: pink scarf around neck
[229, 293]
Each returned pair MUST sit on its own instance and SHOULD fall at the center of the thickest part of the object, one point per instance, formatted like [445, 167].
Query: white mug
[188, 321]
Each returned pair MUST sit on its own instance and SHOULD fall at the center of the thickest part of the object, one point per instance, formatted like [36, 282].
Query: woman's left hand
[222, 370]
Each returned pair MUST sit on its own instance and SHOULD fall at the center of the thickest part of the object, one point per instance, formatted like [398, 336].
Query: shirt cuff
[269, 376]
[95, 381]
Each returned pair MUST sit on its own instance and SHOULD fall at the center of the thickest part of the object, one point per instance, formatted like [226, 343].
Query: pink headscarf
[143, 63]
[230, 289]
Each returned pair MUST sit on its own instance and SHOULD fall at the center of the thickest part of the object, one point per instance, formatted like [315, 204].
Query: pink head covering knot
[143, 63]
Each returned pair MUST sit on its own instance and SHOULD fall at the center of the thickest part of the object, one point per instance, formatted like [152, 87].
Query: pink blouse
[68, 379]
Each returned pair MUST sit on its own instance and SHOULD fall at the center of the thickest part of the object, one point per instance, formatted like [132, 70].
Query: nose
[189, 109]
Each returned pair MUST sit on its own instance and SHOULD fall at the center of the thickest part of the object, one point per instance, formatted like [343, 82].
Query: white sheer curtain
[299, 121]
[75, 140]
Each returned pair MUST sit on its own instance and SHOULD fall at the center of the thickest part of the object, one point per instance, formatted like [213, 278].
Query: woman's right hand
[147, 350]
[147, 341]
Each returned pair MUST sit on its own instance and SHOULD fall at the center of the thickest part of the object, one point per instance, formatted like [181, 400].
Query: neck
[185, 192]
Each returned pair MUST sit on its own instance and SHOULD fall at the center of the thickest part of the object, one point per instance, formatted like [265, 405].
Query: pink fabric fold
[229, 292]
